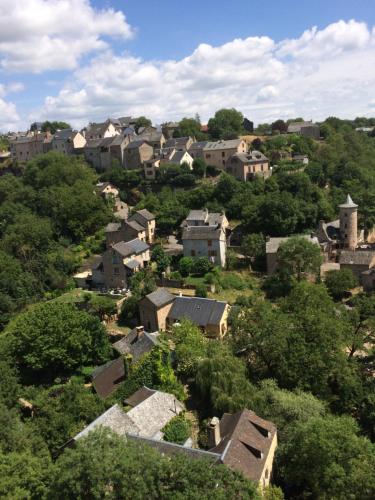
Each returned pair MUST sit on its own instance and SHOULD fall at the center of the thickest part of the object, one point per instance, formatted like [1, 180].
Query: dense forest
[298, 356]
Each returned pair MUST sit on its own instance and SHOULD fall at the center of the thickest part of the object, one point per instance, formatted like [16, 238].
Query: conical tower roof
[349, 203]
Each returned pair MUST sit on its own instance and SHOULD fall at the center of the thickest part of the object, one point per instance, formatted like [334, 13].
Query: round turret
[348, 223]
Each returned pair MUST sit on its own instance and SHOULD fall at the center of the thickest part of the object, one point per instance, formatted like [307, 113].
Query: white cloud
[41, 35]
[9, 119]
[263, 79]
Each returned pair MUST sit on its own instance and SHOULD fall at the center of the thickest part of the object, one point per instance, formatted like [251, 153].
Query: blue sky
[85, 60]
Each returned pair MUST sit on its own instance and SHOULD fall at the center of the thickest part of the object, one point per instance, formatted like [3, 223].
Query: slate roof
[359, 257]
[144, 213]
[349, 203]
[154, 412]
[160, 297]
[112, 227]
[132, 264]
[134, 225]
[132, 247]
[171, 449]
[245, 444]
[139, 396]
[198, 310]
[136, 144]
[136, 345]
[272, 246]
[204, 217]
[198, 145]
[115, 419]
[248, 158]
[107, 377]
[177, 142]
[297, 126]
[178, 156]
[64, 134]
[219, 145]
[97, 128]
[203, 233]
[146, 419]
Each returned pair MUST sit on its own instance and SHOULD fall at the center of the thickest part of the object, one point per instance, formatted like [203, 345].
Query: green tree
[24, 475]
[199, 167]
[161, 258]
[102, 306]
[53, 127]
[279, 126]
[221, 381]
[186, 265]
[299, 257]
[226, 124]
[340, 282]
[140, 122]
[63, 411]
[177, 430]
[190, 127]
[52, 337]
[325, 458]
[254, 246]
[190, 348]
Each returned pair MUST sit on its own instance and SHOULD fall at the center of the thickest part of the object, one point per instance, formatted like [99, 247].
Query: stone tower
[348, 223]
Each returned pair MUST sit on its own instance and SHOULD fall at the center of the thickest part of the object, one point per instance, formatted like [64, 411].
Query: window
[208, 156]
[212, 253]
[209, 243]
[193, 253]
[223, 154]
[345, 225]
[115, 259]
[116, 271]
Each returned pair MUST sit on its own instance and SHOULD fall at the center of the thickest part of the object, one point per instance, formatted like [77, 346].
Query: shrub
[177, 430]
[201, 291]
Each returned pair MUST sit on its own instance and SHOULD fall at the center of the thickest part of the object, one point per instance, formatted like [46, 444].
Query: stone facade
[217, 153]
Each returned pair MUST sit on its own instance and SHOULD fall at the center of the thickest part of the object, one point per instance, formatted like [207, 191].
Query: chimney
[214, 437]
[140, 331]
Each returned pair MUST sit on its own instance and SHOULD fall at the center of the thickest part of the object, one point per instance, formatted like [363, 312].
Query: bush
[186, 266]
[339, 282]
[202, 266]
[177, 430]
[232, 280]
[201, 291]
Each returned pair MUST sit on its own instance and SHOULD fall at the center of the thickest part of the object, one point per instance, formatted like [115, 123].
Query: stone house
[122, 260]
[306, 129]
[136, 344]
[179, 143]
[100, 131]
[245, 166]
[246, 443]
[175, 157]
[136, 153]
[147, 220]
[124, 230]
[217, 153]
[210, 315]
[196, 149]
[68, 141]
[160, 310]
[154, 309]
[102, 153]
[204, 235]
[358, 261]
[151, 167]
[120, 209]
[107, 190]
[154, 137]
[26, 148]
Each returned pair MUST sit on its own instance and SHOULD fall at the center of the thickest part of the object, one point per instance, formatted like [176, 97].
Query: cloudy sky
[85, 60]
